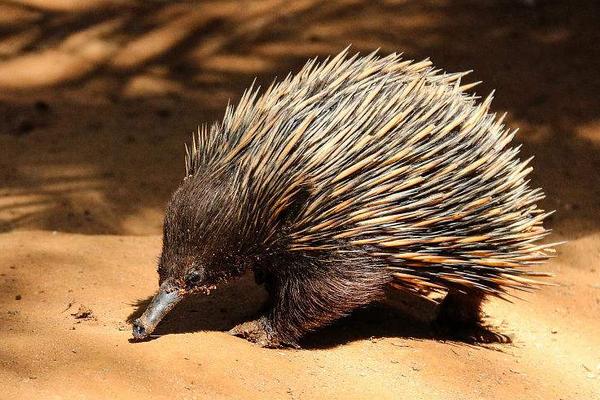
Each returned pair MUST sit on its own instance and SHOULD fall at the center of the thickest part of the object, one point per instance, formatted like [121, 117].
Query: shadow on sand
[241, 300]
[100, 99]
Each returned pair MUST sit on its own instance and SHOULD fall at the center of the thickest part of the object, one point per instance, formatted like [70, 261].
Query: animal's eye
[192, 278]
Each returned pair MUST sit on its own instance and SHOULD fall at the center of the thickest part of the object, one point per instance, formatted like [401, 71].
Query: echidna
[351, 177]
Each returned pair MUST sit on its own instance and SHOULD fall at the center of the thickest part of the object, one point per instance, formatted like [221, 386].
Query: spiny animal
[354, 176]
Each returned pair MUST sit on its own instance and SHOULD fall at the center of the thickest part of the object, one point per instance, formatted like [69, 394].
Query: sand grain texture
[47, 352]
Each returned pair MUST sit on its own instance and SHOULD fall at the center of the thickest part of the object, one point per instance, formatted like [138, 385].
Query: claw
[258, 332]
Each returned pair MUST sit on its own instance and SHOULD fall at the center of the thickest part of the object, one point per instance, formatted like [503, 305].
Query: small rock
[83, 313]
[18, 297]
[41, 106]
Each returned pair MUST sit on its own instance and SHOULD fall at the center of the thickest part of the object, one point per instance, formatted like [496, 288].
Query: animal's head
[202, 245]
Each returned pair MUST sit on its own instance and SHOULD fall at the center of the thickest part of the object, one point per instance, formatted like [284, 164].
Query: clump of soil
[84, 313]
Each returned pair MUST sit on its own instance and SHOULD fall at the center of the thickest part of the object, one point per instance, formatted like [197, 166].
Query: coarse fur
[354, 175]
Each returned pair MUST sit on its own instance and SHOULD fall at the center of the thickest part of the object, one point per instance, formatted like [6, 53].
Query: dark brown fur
[305, 292]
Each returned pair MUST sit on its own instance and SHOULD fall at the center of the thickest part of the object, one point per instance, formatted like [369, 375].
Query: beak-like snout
[163, 302]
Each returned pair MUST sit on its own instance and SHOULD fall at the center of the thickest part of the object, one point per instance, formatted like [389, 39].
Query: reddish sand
[96, 100]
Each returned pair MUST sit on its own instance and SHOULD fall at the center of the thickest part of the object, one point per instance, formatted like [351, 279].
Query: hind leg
[308, 299]
[460, 317]
[460, 309]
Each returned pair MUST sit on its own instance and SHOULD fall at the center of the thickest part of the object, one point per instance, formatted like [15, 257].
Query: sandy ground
[96, 100]
[48, 353]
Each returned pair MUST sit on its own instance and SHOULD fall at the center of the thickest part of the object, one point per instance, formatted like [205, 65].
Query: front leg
[312, 296]
[260, 331]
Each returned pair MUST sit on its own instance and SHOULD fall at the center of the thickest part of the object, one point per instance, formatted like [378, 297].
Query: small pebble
[41, 106]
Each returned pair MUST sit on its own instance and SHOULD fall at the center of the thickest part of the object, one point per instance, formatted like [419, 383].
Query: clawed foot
[260, 332]
[472, 332]
[460, 318]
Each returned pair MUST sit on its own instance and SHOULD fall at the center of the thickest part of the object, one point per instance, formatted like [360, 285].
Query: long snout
[165, 299]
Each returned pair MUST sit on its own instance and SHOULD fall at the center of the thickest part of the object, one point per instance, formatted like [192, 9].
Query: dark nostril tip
[139, 332]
